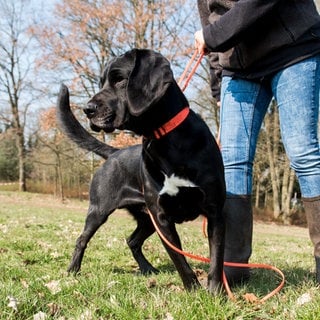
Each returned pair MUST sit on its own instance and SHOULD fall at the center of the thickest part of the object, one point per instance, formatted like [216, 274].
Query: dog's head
[130, 85]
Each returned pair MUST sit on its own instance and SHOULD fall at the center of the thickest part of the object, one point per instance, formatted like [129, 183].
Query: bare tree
[15, 67]
[90, 33]
[272, 174]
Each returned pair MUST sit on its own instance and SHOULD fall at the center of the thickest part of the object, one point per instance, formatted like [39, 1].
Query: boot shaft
[238, 216]
[312, 210]
[238, 238]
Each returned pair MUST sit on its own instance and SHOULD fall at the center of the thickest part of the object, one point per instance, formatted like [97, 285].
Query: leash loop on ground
[227, 264]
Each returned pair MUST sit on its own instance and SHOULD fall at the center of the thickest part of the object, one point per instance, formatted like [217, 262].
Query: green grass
[37, 237]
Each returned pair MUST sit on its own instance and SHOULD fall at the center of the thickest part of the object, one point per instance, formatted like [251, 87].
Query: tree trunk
[60, 180]
[273, 139]
[285, 194]
[20, 146]
[257, 200]
[22, 161]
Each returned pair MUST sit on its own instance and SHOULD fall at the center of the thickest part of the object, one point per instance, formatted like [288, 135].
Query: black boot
[238, 238]
[312, 209]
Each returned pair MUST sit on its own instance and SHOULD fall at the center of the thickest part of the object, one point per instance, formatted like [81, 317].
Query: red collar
[172, 123]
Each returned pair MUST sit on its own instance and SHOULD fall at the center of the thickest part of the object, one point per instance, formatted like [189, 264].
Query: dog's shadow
[164, 268]
[258, 277]
[297, 276]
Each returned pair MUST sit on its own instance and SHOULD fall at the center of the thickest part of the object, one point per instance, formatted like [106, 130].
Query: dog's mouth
[105, 123]
[94, 127]
[99, 119]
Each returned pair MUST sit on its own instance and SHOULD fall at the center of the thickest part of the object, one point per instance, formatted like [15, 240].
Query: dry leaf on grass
[24, 283]
[151, 283]
[168, 316]
[13, 303]
[40, 316]
[174, 287]
[114, 301]
[87, 315]
[53, 286]
[303, 299]
[250, 297]
[53, 308]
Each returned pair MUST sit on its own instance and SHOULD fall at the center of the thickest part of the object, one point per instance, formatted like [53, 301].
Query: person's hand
[199, 43]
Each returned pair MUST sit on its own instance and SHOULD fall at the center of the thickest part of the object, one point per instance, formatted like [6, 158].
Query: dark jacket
[254, 38]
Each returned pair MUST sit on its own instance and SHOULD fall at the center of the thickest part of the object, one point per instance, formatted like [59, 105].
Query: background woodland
[43, 45]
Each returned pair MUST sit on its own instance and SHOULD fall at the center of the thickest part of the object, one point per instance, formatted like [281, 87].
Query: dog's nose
[90, 109]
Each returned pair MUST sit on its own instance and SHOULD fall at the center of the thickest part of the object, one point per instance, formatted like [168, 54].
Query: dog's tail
[74, 130]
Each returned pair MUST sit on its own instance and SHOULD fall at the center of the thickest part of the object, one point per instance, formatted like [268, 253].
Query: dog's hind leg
[93, 221]
[144, 230]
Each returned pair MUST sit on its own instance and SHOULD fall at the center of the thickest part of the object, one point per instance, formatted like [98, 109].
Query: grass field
[37, 237]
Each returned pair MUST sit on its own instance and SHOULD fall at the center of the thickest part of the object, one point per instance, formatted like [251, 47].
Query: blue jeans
[243, 106]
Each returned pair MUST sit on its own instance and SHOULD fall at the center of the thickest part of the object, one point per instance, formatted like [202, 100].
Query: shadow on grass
[296, 276]
[264, 281]
[261, 281]
[165, 268]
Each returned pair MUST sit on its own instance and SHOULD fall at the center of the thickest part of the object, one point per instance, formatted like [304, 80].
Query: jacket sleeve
[215, 75]
[214, 66]
[223, 33]
[204, 12]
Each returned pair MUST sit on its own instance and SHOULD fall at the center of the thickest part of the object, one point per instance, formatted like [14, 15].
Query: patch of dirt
[40, 200]
[274, 228]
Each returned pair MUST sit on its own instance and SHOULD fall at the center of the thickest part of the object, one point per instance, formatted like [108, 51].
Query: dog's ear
[148, 81]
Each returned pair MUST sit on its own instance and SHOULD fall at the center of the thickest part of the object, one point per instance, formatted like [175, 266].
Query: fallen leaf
[114, 300]
[168, 316]
[174, 287]
[151, 283]
[303, 299]
[40, 316]
[201, 274]
[53, 308]
[3, 228]
[250, 297]
[53, 286]
[111, 284]
[24, 283]
[55, 254]
[87, 315]
[13, 303]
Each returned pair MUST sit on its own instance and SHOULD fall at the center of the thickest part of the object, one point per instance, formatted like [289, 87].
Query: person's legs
[297, 92]
[243, 107]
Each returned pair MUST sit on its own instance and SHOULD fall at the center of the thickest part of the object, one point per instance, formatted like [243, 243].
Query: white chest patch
[171, 185]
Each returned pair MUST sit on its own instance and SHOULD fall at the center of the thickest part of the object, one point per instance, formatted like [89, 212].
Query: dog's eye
[115, 77]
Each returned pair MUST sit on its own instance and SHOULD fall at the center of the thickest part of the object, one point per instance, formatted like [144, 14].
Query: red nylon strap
[172, 123]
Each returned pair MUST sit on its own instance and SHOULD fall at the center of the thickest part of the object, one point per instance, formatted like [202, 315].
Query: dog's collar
[172, 123]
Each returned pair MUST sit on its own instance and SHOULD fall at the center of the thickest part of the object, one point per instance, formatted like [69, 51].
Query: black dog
[177, 173]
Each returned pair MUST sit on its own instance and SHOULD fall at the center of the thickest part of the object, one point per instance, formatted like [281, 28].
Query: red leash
[186, 78]
[252, 298]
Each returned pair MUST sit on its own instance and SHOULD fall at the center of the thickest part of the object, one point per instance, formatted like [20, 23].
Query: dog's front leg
[169, 231]
[216, 232]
